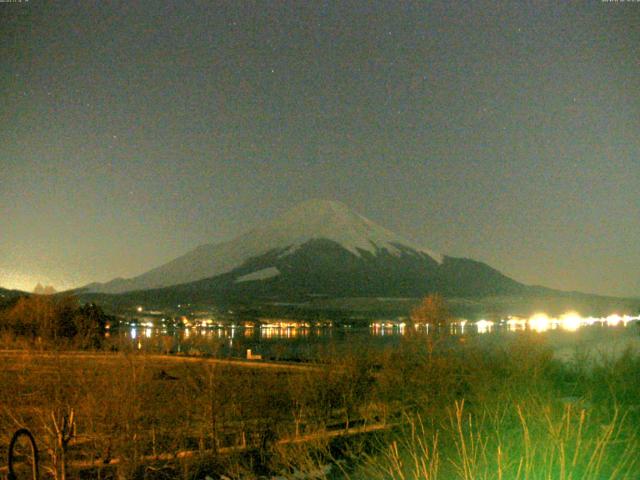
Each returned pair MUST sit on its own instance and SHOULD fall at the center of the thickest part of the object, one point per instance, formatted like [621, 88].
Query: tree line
[53, 319]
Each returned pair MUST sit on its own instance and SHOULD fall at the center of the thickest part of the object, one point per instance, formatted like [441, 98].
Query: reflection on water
[267, 332]
[539, 322]
[569, 321]
[391, 328]
[299, 340]
[484, 326]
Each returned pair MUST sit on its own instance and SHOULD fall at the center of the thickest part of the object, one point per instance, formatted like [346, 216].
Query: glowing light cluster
[514, 324]
[484, 326]
[540, 322]
[569, 321]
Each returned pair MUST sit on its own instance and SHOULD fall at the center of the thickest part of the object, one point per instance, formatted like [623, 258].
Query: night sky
[131, 132]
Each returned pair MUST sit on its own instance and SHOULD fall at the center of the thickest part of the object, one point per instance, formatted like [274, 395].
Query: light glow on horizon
[540, 322]
[570, 321]
[484, 326]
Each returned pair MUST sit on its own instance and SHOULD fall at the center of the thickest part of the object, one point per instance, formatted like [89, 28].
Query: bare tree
[434, 311]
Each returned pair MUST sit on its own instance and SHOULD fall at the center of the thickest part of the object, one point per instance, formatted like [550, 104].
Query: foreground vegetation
[521, 415]
[52, 321]
[443, 409]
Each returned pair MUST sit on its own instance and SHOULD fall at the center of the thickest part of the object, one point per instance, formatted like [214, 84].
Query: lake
[566, 335]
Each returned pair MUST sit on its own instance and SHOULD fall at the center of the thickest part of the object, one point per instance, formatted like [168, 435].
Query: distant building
[252, 356]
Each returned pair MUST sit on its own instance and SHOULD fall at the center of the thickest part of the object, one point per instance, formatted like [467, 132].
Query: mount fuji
[319, 247]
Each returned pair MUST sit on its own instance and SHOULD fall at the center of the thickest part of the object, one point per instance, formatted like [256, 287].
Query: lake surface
[611, 335]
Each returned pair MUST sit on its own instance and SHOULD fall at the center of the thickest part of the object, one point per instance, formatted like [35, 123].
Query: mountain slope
[312, 220]
[6, 296]
[318, 249]
[324, 268]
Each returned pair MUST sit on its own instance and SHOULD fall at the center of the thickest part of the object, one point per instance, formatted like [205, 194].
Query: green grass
[520, 414]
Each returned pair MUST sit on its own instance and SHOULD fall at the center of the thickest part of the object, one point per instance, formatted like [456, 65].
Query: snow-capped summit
[320, 247]
[331, 220]
[311, 220]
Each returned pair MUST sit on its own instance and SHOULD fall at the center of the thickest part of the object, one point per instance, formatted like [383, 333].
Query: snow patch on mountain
[263, 274]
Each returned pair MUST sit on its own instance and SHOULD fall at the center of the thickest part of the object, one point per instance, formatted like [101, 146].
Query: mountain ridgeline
[319, 248]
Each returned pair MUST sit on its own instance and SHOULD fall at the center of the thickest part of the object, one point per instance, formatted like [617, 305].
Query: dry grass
[159, 411]
[509, 411]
